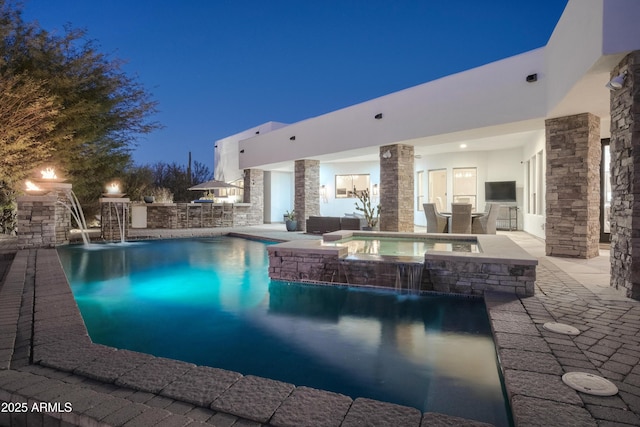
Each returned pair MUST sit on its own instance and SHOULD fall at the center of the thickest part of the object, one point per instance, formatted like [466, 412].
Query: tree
[92, 112]
[175, 177]
[27, 115]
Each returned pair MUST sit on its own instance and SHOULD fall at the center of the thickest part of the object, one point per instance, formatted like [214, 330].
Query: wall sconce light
[616, 82]
[386, 154]
[375, 191]
[378, 116]
[323, 193]
[293, 138]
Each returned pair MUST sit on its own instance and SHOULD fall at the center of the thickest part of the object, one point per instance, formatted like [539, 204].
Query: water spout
[78, 215]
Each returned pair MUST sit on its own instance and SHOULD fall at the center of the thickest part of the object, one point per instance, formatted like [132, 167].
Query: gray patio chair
[460, 218]
[486, 224]
[436, 223]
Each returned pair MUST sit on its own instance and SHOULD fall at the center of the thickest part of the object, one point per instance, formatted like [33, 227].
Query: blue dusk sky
[218, 67]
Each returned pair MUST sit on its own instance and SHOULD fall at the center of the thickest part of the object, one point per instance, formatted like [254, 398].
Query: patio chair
[436, 223]
[486, 224]
[460, 218]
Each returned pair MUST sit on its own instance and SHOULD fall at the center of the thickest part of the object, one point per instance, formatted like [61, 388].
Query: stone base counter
[501, 265]
[193, 215]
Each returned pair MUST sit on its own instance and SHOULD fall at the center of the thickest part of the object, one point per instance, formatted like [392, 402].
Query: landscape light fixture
[378, 116]
[616, 82]
[293, 138]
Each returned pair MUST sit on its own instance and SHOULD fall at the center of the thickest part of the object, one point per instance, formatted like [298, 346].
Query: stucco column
[307, 190]
[573, 186]
[254, 194]
[396, 188]
[625, 178]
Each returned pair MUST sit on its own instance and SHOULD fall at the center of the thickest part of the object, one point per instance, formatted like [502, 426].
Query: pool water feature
[211, 302]
[363, 247]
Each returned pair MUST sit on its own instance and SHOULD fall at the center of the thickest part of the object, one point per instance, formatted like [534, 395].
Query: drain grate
[590, 384]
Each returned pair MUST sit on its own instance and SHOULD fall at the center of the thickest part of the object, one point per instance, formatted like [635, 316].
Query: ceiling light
[463, 145]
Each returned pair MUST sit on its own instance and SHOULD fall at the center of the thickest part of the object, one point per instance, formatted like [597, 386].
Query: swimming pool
[210, 302]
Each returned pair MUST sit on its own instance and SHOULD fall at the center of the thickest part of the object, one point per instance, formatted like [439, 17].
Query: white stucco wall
[278, 195]
[328, 172]
[498, 165]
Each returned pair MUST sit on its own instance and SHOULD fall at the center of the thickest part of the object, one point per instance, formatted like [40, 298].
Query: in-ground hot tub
[461, 264]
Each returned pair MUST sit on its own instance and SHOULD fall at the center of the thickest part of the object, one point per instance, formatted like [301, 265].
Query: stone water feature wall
[291, 264]
[36, 221]
[625, 178]
[454, 275]
[573, 151]
[110, 210]
[503, 267]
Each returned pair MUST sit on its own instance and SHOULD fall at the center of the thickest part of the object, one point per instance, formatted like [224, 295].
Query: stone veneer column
[307, 190]
[396, 188]
[573, 186]
[36, 221]
[114, 213]
[254, 194]
[625, 178]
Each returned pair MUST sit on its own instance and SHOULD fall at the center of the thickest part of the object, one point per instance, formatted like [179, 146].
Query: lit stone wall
[573, 151]
[396, 188]
[36, 221]
[196, 215]
[114, 213]
[625, 178]
[307, 190]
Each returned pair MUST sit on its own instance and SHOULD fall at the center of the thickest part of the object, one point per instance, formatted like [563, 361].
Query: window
[465, 186]
[347, 184]
[419, 190]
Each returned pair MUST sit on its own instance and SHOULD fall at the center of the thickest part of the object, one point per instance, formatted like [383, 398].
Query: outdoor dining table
[448, 215]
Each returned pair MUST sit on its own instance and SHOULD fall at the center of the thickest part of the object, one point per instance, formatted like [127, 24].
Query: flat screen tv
[500, 191]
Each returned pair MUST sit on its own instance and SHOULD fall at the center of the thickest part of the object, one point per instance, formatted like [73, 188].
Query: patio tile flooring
[46, 356]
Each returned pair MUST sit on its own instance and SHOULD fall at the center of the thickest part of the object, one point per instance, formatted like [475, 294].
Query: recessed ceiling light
[463, 145]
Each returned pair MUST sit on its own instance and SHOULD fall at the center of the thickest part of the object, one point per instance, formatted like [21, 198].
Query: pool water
[402, 247]
[211, 302]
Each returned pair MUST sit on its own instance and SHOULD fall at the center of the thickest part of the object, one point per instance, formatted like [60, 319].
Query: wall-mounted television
[500, 191]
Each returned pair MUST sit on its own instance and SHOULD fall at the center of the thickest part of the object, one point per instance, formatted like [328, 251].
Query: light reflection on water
[210, 302]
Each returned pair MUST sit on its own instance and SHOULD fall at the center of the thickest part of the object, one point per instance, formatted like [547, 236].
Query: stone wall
[114, 219]
[197, 215]
[307, 190]
[625, 178]
[36, 221]
[296, 266]
[396, 188]
[474, 278]
[573, 151]
[254, 194]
